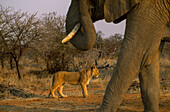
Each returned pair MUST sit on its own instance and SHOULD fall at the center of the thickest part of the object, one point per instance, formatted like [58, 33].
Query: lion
[83, 78]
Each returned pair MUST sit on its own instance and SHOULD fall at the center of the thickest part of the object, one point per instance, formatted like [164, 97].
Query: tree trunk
[17, 68]
[10, 62]
[2, 63]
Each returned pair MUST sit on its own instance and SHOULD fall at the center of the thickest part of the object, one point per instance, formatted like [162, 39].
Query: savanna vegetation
[31, 51]
[28, 41]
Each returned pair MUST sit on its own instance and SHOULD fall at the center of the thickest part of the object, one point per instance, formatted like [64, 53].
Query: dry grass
[37, 79]
[24, 95]
[12, 87]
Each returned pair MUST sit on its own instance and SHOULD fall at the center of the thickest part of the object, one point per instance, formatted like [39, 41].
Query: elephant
[139, 55]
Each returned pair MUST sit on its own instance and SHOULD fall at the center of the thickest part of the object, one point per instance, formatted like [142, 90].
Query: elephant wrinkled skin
[139, 55]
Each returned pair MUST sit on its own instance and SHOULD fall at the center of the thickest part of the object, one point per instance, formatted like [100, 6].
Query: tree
[18, 29]
[99, 40]
[49, 47]
[112, 44]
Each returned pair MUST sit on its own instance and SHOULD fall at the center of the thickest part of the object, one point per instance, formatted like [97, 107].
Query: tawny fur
[83, 77]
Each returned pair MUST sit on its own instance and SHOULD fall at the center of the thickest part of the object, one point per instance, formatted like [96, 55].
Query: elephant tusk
[71, 34]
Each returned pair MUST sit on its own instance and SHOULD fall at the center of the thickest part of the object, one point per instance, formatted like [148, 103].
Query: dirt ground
[75, 102]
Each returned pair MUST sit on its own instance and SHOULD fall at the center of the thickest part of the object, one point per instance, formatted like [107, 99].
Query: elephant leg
[140, 46]
[84, 90]
[60, 91]
[149, 82]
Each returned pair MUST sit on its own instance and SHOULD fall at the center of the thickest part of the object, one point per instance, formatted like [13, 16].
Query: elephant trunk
[85, 37]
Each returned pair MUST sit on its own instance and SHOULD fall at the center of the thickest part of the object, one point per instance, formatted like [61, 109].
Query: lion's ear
[114, 9]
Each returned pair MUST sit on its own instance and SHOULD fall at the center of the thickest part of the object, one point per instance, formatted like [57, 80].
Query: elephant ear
[114, 10]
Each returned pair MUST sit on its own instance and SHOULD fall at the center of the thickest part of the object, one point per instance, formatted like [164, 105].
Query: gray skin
[139, 55]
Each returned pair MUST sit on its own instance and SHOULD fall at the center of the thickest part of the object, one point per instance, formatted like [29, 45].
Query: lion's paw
[65, 96]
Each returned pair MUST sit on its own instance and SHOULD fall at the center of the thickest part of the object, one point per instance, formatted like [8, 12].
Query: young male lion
[83, 77]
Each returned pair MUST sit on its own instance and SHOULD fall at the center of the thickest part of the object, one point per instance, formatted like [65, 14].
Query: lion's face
[95, 71]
